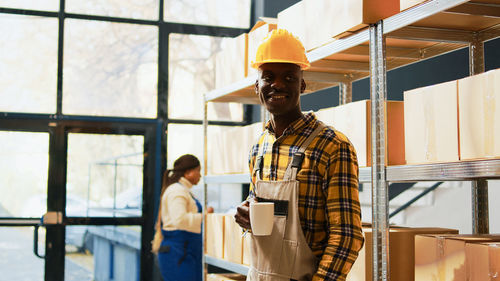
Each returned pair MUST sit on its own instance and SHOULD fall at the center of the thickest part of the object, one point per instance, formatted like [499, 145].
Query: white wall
[448, 206]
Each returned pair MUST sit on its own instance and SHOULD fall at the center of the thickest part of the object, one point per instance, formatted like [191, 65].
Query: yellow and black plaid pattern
[329, 209]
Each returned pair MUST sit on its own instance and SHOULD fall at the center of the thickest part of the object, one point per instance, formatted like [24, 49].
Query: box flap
[262, 21]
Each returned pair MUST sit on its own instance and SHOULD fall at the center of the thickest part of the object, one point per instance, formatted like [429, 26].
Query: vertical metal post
[205, 172]
[480, 222]
[380, 202]
[476, 57]
[480, 216]
[345, 92]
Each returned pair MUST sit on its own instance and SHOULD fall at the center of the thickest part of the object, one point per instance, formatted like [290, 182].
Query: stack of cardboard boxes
[225, 239]
[453, 121]
[457, 257]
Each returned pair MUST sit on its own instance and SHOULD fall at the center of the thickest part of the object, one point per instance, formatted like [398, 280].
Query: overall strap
[259, 162]
[298, 157]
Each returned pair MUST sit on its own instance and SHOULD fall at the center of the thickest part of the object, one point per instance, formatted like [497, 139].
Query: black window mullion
[60, 50]
[56, 201]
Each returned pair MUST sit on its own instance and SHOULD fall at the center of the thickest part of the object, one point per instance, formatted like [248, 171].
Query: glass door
[24, 160]
[104, 196]
[93, 179]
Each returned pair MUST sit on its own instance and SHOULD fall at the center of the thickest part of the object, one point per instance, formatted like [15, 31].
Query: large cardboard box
[350, 16]
[482, 261]
[231, 62]
[405, 4]
[354, 121]
[401, 253]
[233, 240]
[230, 148]
[442, 257]
[225, 277]
[293, 19]
[479, 115]
[431, 124]
[258, 32]
[214, 245]
[353, 15]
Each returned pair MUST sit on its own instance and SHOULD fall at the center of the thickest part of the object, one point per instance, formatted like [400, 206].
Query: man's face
[279, 86]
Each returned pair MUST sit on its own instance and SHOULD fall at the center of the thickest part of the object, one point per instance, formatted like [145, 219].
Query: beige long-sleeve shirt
[178, 208]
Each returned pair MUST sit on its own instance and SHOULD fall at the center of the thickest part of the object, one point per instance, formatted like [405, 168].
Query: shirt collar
[185, 182]
[296, 126]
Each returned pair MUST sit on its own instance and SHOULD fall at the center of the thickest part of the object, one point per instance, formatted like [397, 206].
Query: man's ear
[302, 86]
[256, 87]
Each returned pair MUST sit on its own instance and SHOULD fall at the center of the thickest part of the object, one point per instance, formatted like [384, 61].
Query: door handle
[35, 242]
[50, 218]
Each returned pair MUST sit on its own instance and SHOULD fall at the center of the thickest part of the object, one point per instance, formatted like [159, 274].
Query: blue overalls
[180, 254]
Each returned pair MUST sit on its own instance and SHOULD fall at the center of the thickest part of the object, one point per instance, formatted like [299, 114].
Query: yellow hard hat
[281, 46]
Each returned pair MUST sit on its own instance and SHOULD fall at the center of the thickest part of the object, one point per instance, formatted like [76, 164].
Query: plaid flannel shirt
[329, 209]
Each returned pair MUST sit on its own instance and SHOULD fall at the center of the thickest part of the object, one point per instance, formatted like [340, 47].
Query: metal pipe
[480, 215]
[345, 92]
[479, 195]
[380, 198]
[476, 57]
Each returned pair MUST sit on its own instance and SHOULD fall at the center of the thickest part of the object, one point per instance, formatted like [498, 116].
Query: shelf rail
[380, 197]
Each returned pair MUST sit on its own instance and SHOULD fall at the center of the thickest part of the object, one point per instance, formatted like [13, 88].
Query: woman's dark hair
[181, 165]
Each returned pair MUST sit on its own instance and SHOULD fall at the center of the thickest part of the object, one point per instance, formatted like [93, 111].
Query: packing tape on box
[430, 130]
[494, 261]
[489, 120]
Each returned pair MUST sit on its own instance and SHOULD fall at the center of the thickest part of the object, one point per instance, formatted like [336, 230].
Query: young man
[308, 170]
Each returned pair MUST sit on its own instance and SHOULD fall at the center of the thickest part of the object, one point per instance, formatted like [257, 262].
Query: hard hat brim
[303, 66]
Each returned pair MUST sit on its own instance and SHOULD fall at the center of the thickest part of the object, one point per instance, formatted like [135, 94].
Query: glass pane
[112, 70]
[24, 159]
[41, 5]
[28, 64]
[102, 253]
[17, 261]
[105, 175]
[137, 9]
[191, 75]
[209, 12]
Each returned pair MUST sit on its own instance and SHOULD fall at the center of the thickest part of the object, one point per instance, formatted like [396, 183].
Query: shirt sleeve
[343, 215]
[181, 217]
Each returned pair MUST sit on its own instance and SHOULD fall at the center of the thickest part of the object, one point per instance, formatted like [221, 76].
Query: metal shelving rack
[430, 29]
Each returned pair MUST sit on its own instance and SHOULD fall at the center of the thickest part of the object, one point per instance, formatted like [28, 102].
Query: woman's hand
[209, 210]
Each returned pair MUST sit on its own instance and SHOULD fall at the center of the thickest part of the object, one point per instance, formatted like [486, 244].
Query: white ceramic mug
[261, 218]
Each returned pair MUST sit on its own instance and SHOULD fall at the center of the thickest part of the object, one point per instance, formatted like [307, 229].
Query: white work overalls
[284, 254]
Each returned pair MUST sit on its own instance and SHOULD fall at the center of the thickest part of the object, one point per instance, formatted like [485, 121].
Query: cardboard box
[479, 115]
[353, 15]
[482, 261]
[230, 148]
[293, 19]
[225, 277]
[247, 249]
[405, 4]
[255, 37]
[442, 257]
[354, 121]
[214, 245]
[231, 62]
[350, 16]
[431, 124]
[309, 15]
[401, 253]
[233, 240]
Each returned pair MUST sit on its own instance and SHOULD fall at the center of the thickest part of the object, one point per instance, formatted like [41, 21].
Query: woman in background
[178, 229]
